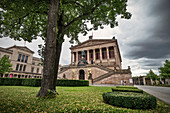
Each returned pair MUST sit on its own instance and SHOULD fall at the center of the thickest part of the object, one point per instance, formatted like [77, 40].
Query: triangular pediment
[24, 48]
[92, 43]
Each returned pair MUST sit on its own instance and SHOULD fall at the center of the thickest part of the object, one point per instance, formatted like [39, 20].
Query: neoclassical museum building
[97, 60]
[23, 63]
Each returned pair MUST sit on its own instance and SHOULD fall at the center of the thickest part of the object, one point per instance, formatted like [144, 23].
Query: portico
[101, 54]
[104, 52]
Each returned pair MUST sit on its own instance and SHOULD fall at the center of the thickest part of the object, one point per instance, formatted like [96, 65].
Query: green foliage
[70, 100]
[5, 65]
[10, 81]
[25, 19]
[31, 82]
[51, 94]
[72, 83]
[165, 71]
[126, 90]
[162, 85]
[130, 100]
[20, 82]
[152, 75]
[129, 87]
[37, 82]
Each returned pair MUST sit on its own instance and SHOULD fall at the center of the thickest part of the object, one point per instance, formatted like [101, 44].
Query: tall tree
[5, 65]
[152, 75]
[165, 70]
[25, 19]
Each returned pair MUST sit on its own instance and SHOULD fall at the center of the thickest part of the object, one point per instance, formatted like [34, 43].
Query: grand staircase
[109, 73]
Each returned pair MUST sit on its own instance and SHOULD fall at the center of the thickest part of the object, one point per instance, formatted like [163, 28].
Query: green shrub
[37, 82]
[130, 100]
[31, 82]
[10, 81]
[72, 83]
[163, 85]
[126, 90]
[129, 87]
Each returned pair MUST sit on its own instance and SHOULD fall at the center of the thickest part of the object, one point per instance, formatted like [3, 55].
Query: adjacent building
[23, 63]
[97, 60]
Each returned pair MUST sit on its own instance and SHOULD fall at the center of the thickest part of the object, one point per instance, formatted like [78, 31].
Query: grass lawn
[70, 99]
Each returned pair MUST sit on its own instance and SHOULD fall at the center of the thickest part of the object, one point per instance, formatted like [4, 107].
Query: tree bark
[50, 51]
[57, 59]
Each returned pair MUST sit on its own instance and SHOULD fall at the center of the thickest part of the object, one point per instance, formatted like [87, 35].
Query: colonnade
[97, 55]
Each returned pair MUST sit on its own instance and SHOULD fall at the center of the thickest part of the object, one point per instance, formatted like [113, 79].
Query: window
[79, 55]
[33, 63]
[97, 54]
[32, 69]
[74, 56]
[17, 66]
[91, 54]
[19, 57]
[24, 68]
[86, 55]
[20, 67]
[23, 56]
[26, 59]
[104, 53]
[37, 70]
[111, 52]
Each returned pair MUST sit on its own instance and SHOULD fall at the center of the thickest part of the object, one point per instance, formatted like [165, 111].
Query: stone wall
[73, 73]
[116, 79]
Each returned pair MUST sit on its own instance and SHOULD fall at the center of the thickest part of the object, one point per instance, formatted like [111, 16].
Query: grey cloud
[155, 42]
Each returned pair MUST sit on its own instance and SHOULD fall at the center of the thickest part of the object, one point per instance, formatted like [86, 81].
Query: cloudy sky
[144, 40]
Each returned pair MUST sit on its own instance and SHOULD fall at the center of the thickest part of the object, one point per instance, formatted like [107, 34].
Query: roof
[5, 50]
[93, 42]
[24, 48]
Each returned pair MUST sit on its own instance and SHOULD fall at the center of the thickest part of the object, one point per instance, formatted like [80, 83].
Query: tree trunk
[50, 50]
[57, 59]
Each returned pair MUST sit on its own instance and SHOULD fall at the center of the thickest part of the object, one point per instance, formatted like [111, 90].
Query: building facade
[97, 60]
[23, 63]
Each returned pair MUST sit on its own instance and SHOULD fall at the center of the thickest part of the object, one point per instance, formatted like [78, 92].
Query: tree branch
[81, 16]
[73, 2]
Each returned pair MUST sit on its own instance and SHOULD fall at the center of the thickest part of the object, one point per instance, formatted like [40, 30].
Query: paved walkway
[163, 93]
[106, 85]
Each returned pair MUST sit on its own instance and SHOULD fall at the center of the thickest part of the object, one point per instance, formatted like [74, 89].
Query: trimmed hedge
[20, 82]
[163, 85]
[126, 90]
[130, 100]
[37, 82]
[72, 83]
[31, 82]
[10, 81]
[129, 87]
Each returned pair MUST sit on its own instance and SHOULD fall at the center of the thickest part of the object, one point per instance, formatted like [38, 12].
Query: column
[94, 56]
[76, 57]
[71, 58]
[116, 55]
[101, 54]
[151, 81]
[144, 82]
[107, 49]
[88, 57]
